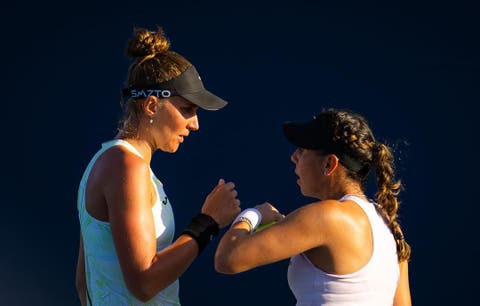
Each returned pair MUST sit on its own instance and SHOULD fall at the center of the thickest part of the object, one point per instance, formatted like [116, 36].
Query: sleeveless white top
[373, 285]
[105, 283]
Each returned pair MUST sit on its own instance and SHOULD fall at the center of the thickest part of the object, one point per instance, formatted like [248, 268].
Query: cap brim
[301, 134]
[205, 100]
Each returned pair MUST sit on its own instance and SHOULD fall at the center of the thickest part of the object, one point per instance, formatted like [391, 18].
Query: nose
[294, 156]
[192, 124]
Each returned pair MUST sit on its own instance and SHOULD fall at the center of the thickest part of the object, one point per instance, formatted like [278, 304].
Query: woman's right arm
[239, 251]
[402, 294]
[128, 194]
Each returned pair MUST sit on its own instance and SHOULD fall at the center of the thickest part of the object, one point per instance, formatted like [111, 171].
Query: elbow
[223, 268]
[143, 297]
[143, 290]
[224, 265]
[141, 293]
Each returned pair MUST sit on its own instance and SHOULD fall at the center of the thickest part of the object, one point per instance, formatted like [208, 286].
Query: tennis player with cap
[127, 253]
[344, 248]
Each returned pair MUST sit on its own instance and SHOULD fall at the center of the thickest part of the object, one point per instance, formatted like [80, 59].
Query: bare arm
[239, 251]
[128, 194]
[80, 279]
[402, 294]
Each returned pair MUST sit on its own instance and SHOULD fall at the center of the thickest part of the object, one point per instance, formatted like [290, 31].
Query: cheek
[174, 121]
[303, 169]
[309, 169]
[178, 121]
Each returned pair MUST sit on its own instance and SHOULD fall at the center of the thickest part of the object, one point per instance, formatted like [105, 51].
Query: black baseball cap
[187, 85]
[318, 134]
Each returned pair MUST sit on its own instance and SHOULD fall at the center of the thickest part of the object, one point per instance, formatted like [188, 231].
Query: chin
[175, 148]
[170, 149]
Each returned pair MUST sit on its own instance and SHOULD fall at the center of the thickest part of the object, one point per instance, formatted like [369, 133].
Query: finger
[229, 186]
[221, 182]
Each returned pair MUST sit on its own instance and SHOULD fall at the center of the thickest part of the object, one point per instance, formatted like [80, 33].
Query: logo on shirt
[165, 201]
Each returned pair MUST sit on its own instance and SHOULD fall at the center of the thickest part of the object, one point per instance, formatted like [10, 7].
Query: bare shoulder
[319, 214]
[124, 180]
[328, 216]
[120, 161]
[319, 209]
[119, 168]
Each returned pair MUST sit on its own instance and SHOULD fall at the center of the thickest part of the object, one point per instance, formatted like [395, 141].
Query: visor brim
[301, 134]
[205, 100]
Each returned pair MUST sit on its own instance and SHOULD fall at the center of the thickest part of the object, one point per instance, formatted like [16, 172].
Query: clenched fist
[222, 203]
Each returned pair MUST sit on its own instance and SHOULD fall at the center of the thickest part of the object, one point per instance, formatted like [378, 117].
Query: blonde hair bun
[147, 43]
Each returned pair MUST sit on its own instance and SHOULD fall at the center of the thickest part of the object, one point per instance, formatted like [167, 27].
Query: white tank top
[373, 285]
[105, 283]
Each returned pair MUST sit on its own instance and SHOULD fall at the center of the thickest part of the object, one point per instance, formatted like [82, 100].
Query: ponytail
[386, 196]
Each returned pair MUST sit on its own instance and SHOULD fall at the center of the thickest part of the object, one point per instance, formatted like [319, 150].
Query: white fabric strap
[253, 216]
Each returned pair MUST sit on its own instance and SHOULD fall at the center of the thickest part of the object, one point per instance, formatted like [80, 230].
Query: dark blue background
[410, 68]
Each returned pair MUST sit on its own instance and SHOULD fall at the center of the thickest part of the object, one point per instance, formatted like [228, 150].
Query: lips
[182, 137]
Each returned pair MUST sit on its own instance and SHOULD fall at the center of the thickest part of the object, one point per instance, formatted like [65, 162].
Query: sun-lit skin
[307, 168]
[315, 171]
[163, 124]
[172, 121]
[123, 190]
[332, 248]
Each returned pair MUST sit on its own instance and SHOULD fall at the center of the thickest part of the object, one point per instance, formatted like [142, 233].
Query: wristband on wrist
[202, 229]
[252, 216]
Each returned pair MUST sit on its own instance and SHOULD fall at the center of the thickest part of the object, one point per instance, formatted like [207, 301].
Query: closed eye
[188, 110]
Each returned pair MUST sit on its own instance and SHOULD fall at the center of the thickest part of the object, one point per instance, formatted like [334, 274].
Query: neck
[340, 191]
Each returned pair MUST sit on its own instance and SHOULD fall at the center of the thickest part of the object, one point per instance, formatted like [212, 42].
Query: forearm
[147, 272]
[191, 242]
[229, 251]
[172, 262]
[402, 294]
[166, 267]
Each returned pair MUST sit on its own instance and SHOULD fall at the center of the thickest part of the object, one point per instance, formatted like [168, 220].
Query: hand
[269, 213]
[222, 203]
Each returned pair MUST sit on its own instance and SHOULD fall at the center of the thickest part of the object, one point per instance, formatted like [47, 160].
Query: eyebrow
[187, 103]
[192, 105]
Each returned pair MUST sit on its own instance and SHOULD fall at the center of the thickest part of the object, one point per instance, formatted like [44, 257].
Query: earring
[325, 172]
[151, 121]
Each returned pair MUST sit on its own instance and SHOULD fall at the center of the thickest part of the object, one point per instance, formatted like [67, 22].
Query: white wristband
[253, 216]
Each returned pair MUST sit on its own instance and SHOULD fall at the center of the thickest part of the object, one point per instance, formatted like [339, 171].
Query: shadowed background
[411, 69]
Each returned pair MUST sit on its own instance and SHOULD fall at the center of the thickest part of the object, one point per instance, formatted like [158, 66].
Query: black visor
[316, 134]
[187, 85]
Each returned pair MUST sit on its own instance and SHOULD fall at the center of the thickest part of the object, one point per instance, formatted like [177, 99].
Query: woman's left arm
[402, 294]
